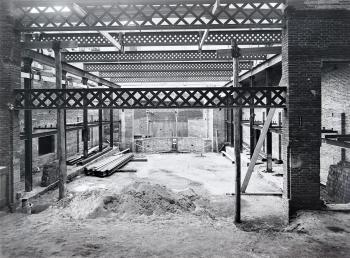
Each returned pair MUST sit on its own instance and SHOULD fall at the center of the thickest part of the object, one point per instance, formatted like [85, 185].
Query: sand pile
[142, 198]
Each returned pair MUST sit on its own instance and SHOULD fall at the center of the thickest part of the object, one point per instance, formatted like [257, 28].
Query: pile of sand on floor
[143, 198]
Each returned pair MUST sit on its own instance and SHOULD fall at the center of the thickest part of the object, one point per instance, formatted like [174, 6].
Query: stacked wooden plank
[78, 159]
[109, 165]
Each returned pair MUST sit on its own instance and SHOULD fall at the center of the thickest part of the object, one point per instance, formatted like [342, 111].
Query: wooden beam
[261, 67]
[203, 38]
[61, 135]
[112, 40]
[48, 44]
[49, 61]
[257, 149]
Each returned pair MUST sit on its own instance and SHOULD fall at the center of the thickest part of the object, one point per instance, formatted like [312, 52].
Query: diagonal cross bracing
[146, 98]
[43, 15]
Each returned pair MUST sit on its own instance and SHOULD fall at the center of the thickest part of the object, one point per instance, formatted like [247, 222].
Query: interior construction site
[163, 128]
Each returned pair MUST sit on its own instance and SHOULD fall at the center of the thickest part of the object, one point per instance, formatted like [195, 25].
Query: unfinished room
[171, 128]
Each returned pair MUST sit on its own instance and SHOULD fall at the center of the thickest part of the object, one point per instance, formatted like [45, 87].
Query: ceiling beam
[152, 56]
[174, 66]
[146, 15]
[50, 61]
[161, 38]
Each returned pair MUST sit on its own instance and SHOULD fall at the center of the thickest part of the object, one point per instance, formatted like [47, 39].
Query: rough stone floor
[176, 205]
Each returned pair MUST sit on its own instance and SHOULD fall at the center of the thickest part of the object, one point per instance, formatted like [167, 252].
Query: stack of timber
[80, 159]
[109, 165]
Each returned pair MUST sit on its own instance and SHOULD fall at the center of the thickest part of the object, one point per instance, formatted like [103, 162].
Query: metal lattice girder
[178, 38]
[131, 98]
[151, 56]
[166, 74]
[174, 66]
[171, 79]
[78, 15]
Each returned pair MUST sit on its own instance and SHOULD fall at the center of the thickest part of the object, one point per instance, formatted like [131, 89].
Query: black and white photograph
[174, 129]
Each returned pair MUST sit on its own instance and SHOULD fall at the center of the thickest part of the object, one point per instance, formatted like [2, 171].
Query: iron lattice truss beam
[179, 38]
[173, 66]
[148, 98]
[166, 74]
[152, 56]
[171, 79]
[78, 15]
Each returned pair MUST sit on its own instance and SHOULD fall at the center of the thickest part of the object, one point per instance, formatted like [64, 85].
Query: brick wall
[9, 80]
[338, 183]
[309, 37]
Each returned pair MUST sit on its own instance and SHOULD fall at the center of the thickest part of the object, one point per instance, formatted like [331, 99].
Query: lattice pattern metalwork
[183, 38]
[151, 56]
[166, 74]
[39, 15]
[136, 67]
[131, 98]
[171, 79]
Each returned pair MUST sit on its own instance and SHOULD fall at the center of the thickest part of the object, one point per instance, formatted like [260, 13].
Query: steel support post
[28, 129]
[61, 135]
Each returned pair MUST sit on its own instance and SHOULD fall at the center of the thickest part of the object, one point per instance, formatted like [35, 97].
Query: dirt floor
[176, 205]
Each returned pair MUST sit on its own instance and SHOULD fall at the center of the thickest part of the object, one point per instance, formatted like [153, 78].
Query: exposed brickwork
[9, 79]
[309, 37]
[338, 183]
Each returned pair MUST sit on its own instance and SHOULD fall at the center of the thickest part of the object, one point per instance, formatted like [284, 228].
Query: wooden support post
[257, 149]
[279, 138]
[85, 125]
[251, 121]
[232, 126]
[342, 131]
[100, 126]
[64, 86]
[28, 129]
[237, 135]
[78, 137]
[269, 134]
[61, 135]
[111, 129]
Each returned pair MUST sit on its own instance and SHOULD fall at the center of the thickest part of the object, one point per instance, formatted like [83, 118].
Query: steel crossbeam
[171, 66]
[176, 38]
[165, 74]
[131, 98]
[43, 15]
[152, 56]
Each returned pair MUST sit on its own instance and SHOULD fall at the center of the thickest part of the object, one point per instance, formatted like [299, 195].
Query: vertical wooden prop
[111, 129]
[85, 125]
[28, 129]
[100, 126]
[237, 136]
[61, 147]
